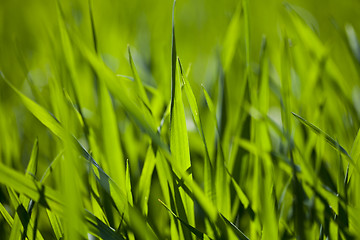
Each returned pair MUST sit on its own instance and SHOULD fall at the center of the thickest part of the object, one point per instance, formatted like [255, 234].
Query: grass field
[187, 120]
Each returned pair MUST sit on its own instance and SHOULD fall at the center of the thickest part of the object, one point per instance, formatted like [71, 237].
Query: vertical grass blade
[208, 175]
[114, 158]
[179, 143]
[143, 190]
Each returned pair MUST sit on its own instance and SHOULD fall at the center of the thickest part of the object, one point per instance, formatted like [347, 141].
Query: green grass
[211, 132]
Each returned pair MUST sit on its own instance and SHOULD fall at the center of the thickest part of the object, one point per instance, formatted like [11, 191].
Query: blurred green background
[146, 25]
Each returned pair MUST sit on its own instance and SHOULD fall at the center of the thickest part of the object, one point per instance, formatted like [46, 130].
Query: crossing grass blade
[32, 189]
[196, 232]
[49, 199]
[329, 139]
[119, 91]
[240, 193]
[105, 181]
[99, 229]
[6, 215]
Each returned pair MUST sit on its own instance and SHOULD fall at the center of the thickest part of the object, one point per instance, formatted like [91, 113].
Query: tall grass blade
[208, 175]
[114, 158]
[179, 143]
[144, 185]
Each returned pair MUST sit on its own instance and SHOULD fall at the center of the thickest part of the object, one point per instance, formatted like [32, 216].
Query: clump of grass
[261, 152]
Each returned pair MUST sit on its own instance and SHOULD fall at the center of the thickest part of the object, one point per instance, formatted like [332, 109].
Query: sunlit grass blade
[129, 193]
[166, 180]
[44, 116]
[208, 207]
[119, 89]
[128, 184]
[264, 167]
[210, 104]
[6, 215]
[237, 231]
[72, 169]
[196, 232]
[114, 162]
[55, 224]
[194, 108]
[286, 106]
[240, 193]
[144, 185]
[33, 162]
[70, 57]
[179, 143]
[222, 179]
[208, 183]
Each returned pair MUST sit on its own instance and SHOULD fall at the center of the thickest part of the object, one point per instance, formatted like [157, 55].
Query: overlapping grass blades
[220, 157]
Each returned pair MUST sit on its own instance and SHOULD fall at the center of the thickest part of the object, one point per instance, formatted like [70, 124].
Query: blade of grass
[24, 226]
[240, 193]
[100, 229]
[236, 230]
[208, 183]
[114, 157]
[143, 190]
[179, 143]
[329, 139]
[197, 233]
[6, 215]
[119, 90]
[55, 224]
[221, 178]
[231, 38]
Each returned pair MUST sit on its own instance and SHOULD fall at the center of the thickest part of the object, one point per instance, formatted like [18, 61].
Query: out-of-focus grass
[156, 120]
